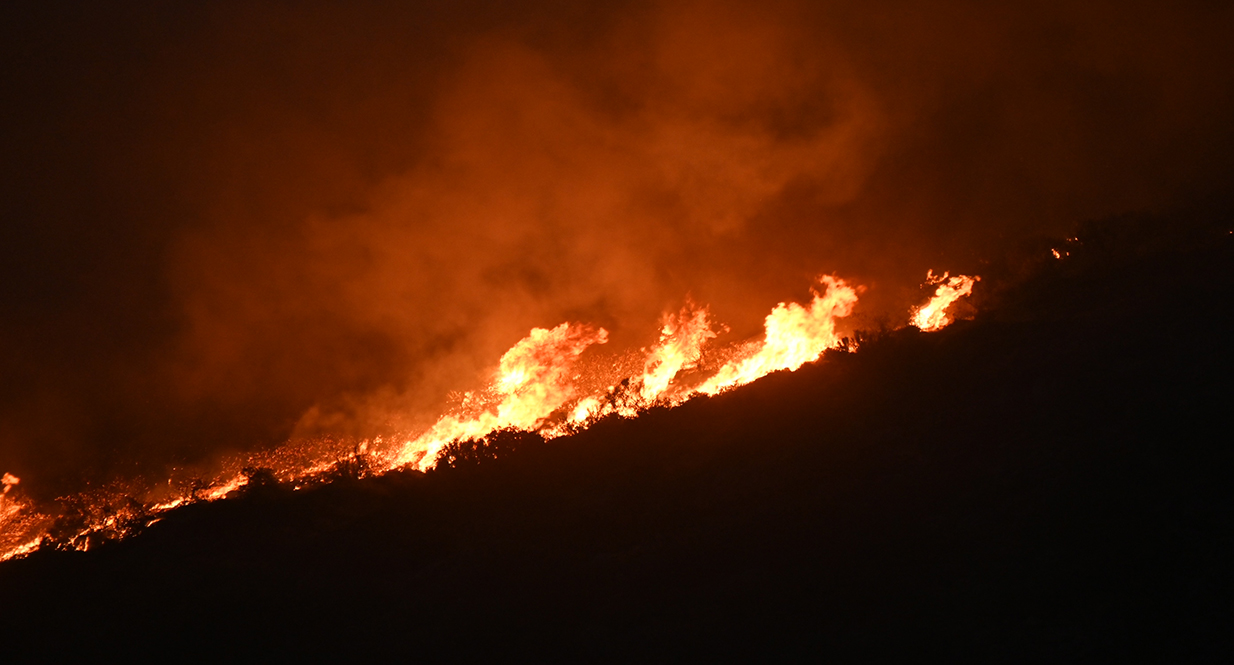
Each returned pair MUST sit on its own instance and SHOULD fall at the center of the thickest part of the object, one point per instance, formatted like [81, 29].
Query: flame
[118, 509]
[795, 335]
[533, 380]
[680, 347]
[586, 409]
[932, 316]
[20, 531]
[538, 385]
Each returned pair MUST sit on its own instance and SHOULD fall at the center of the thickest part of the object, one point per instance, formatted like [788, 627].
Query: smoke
[229, 225]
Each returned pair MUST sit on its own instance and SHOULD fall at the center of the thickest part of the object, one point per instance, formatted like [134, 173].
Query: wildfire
[19, 534]
[680, 347]
[933, 316]
[532, 381]
[795, 335]
[539, 385]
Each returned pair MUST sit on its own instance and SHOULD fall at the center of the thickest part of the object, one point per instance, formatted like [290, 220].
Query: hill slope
[1044, 481]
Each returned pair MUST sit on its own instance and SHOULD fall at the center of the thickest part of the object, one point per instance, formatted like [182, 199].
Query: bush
[497, 445]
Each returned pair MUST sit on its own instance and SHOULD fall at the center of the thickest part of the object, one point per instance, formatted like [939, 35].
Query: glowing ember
[223, 489]
[795, 335]
[20, 531]
[933, 315]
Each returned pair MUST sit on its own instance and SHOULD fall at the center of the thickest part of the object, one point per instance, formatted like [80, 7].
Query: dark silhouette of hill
[1044, 482]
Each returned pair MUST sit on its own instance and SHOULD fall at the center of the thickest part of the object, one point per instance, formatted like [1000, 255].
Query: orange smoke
[933, 316]
[539, 385]
[353, 228]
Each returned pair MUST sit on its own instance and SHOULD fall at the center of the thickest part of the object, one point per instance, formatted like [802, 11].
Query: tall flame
[680, 347]
[795, 335]
[933, 316]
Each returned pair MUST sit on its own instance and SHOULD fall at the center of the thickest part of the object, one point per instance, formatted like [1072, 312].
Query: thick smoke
[230, 225]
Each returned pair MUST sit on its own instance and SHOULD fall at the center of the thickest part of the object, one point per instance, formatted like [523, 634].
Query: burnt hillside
[1044, 481]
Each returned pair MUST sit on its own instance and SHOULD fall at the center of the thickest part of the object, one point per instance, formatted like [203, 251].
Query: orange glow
[20, 531]
[532, 381]
[933, 315]
[538, 385]
[680, 347]
[795, 335]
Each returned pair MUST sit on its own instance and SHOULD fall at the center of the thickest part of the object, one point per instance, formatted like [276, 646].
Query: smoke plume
[231, 224]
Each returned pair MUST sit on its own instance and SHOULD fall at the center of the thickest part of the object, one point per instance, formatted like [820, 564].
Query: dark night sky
[216, 217]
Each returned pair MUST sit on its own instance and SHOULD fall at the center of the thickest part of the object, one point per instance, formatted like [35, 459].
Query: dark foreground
[1045, 482]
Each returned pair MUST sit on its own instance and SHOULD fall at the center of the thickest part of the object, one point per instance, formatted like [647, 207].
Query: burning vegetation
[542, 386]
[273, 260]
[1034, 484]
[933, 315]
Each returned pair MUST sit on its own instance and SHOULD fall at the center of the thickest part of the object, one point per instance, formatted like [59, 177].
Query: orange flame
[795, 335]
[532, 381]
[933, 316]
[20, 531]
[680, 347]
[537, 386]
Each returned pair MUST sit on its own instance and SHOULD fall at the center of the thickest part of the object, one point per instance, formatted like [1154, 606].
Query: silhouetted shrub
[260, 480]
[474, 452]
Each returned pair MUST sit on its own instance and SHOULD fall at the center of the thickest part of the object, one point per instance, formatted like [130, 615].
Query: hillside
[1044, 481]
